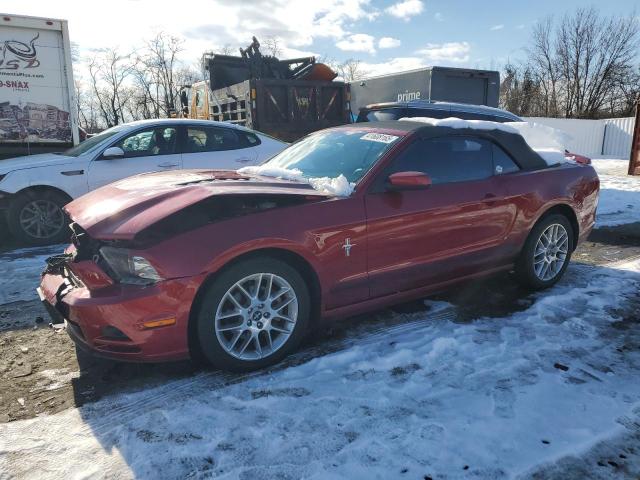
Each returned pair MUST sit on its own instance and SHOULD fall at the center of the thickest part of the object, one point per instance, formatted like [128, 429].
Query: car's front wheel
[37, 218]
[253, 315]
[546, 253]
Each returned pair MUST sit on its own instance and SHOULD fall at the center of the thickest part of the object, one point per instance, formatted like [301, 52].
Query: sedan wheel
[256, 316]
[37, 218]
[252, 315]
[41, 219]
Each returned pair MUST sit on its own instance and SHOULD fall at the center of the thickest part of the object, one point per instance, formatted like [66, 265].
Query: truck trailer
[37, 106]
[462, 85]
[286, 99]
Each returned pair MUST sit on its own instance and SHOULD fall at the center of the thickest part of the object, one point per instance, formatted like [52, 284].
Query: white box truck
[37, 100]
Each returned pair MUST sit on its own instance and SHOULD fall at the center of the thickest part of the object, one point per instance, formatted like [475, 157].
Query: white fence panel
[587, 136]
[609, 137]
[618, 135]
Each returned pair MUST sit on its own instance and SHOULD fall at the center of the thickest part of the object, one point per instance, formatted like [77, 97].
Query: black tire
[525, 272]
[4, 230]
[209, 344]
[22, 201]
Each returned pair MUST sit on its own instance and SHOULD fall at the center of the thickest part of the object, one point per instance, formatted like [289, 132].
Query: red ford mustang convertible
[237, 266]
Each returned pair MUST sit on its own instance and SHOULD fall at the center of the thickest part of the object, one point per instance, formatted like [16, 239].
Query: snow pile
[338, 186]
[428, 397]
[20, 269]
[619, 193]
[547, 142]
[551, 156]
[453, 122]
[540, 136]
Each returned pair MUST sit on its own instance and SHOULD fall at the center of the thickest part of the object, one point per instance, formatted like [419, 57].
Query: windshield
[349, 152]
[91, 143]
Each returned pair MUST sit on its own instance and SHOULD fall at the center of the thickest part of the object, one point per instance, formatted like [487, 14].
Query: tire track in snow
[211, 381]
[104, 420]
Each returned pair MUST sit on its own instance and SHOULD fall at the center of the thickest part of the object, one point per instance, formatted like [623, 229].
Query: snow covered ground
[431, 397]
[20, 272]
[619, 193]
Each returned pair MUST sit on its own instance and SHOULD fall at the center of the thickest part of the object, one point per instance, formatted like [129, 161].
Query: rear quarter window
[502, 161]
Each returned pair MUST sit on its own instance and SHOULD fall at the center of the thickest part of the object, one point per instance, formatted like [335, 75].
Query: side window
[502, 162]
[382, 115]
[212, 140]
[249, 139]
[471, 115]
[153, 141]
[448, 159]
[429, 112]
[500, 119]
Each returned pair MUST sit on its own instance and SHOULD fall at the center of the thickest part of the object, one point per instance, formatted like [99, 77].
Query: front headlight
[128, 268]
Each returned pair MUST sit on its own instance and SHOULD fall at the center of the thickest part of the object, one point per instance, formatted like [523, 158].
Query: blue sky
[487, 33]
[387, 36]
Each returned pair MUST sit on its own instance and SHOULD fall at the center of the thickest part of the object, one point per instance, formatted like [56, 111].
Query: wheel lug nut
[259, 324]
[249, 323]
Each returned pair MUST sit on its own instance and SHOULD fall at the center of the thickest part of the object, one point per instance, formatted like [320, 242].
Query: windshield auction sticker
[379, 137]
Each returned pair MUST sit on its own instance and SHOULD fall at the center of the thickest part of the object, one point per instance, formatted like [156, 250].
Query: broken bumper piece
[122, 322]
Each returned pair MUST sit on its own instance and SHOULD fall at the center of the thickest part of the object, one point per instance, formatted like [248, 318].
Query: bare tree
[272, 46]
[109, 70]
[543, 62]
[520, 92]
[583, 64]
[226, 49]
[350, 70]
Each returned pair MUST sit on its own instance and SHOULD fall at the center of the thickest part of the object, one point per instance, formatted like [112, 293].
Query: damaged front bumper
[112, 320]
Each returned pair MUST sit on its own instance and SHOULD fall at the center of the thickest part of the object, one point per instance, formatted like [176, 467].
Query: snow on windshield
[547, 142]
[338, 186]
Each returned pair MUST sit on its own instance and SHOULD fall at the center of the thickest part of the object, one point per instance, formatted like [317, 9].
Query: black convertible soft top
[513, 143]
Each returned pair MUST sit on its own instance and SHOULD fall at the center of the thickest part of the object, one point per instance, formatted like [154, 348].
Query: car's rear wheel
[546, 253]
[37, 218]
[253, 315]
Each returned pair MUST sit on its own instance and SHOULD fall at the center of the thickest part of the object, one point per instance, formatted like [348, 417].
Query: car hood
[34, 161]
[123, 209]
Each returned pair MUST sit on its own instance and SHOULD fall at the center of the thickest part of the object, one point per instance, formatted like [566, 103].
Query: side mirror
[113, 152]
[408, 181]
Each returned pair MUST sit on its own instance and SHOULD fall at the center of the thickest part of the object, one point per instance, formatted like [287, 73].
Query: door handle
[243, 160]
[167, 165]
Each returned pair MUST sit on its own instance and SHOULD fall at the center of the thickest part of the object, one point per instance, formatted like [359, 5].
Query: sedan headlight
[128, 268]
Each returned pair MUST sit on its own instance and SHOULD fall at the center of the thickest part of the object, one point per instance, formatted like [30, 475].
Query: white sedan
[33, 189]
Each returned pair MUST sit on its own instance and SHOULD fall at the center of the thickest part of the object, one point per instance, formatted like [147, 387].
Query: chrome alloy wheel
[256, 316]
[41, 219]
[551, 252]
